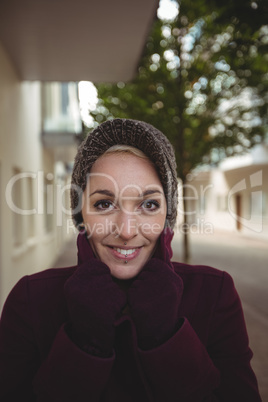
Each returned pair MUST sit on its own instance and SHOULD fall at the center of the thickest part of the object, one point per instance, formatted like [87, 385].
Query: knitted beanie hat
[152, 142]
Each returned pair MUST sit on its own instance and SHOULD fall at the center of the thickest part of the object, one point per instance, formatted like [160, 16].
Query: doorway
[238, 207]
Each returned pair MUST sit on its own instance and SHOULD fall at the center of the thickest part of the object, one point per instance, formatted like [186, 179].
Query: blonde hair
[121, 149]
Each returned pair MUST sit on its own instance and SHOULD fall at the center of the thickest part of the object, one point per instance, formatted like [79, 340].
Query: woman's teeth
[125, 252]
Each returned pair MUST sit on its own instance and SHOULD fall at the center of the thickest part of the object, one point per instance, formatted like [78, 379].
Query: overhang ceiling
[75, 40]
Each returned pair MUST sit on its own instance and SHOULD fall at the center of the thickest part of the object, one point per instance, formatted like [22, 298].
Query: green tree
[202, 80]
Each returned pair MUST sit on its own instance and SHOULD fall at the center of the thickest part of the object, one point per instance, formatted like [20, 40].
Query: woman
[125, 324]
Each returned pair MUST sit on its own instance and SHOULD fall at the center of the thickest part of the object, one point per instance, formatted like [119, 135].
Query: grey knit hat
[138, 134]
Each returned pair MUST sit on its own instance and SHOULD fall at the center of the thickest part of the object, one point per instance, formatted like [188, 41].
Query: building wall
[235, 199]
[28, 243]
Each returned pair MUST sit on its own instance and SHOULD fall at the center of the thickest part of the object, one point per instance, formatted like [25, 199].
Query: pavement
[246, 259]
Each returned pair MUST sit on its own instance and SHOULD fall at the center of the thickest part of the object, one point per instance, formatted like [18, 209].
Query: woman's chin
[125, 270]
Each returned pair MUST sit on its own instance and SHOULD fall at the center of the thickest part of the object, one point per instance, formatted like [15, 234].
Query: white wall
[21, 150]
[222, 188]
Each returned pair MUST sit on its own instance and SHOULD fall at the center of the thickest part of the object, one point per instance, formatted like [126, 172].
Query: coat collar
[163, 250]
[84, 250]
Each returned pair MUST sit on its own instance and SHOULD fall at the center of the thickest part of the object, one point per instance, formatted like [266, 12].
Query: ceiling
[75, 40]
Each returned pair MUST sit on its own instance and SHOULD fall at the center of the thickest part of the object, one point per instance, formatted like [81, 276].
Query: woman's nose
[127, 225]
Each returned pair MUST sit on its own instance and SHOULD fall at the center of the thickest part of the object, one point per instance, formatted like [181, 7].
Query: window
[257, 203]
[17, 218]
[48, 203]
[29, 206]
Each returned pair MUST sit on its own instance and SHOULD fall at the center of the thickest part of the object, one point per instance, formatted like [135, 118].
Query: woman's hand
[154, 299]
[94, 301]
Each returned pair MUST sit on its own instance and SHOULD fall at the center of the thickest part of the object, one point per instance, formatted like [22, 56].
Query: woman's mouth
[123, 253]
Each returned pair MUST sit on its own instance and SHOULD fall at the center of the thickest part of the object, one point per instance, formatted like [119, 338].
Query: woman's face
[124, 211]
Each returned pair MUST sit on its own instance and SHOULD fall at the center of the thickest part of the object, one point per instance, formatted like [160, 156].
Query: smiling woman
[130, 217]
[125, 324]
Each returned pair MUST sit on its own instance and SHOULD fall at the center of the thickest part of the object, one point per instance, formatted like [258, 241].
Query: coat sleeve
[228, 346]
[67, 374]
[180, 369]
[18, 351]
[220, 371]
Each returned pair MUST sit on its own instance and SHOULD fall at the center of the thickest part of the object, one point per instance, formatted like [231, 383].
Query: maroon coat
[208, 359]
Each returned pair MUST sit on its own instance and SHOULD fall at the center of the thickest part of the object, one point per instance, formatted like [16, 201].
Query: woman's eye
[104, 205]
[150, 205]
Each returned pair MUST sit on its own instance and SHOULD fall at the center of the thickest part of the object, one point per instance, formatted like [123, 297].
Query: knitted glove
[94, 301]
[154, 299]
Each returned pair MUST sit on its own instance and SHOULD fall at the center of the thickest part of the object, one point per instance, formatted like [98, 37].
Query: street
[246, 260]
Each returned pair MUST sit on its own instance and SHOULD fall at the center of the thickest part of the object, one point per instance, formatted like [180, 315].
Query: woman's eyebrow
[109, 193]
[150, 192]
[103, 192]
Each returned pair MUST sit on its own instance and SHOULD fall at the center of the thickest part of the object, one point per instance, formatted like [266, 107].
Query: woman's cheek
[153, 230]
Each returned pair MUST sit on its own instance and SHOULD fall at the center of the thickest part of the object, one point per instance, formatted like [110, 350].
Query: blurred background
[197, 70]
